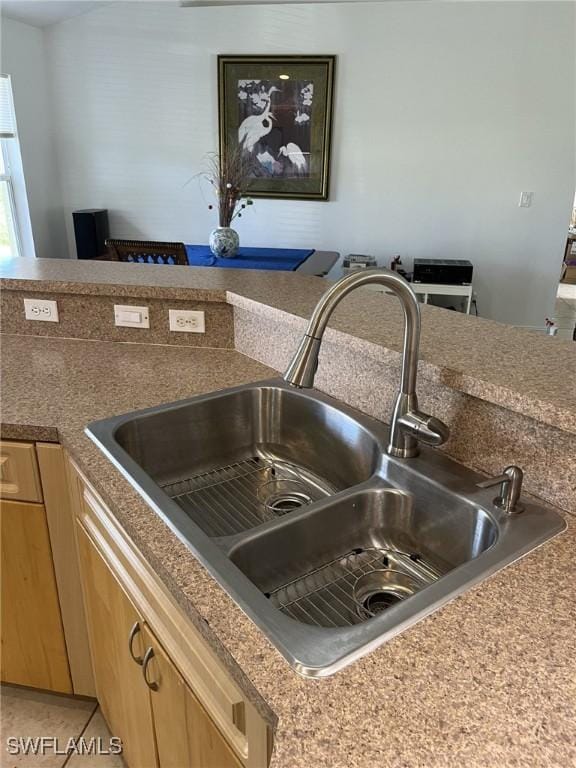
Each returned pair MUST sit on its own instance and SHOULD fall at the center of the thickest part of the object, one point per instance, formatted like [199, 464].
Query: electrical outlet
[187, 321]
[41, 309]
[131, 317]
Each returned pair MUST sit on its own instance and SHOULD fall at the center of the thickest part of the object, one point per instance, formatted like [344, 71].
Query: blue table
[282, 259]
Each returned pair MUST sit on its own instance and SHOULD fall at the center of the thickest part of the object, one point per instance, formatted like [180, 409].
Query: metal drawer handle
[147, 656]
[133, 632]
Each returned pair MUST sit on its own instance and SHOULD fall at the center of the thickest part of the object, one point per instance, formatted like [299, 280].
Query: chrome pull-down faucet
[408, 425]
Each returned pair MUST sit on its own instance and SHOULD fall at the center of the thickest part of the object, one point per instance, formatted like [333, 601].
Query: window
[15, 230]
[9, 238]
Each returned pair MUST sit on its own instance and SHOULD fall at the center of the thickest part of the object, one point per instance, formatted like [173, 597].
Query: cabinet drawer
[19, 476]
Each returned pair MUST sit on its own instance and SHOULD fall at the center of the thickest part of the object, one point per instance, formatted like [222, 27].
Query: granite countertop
[488, 680]
[521, 370]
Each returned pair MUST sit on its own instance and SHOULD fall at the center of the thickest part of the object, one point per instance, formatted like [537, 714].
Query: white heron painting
[278, 111]
[275, 120]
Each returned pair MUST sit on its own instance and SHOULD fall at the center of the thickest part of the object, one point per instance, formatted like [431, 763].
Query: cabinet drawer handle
[147, 656]
[133, 632]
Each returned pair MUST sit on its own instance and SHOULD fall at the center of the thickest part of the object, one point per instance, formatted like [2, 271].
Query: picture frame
[279, 108]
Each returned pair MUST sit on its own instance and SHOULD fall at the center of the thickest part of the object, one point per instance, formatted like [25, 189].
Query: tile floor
[28, 713]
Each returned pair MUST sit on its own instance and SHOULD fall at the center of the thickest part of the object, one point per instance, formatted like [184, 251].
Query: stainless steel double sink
[289, 500]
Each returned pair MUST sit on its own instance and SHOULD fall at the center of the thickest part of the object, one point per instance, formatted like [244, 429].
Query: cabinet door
[33, 647]
[185, 734]
[115, 632]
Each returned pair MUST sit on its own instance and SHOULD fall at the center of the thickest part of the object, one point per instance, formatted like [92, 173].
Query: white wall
[445, 112]
[23, 56]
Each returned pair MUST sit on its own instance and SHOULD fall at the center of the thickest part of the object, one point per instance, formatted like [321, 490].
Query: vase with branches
[230, 175]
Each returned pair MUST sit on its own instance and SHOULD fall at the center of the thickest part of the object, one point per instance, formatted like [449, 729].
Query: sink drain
[380, 601]
[288, 502]
[379, 590]
[281, 496]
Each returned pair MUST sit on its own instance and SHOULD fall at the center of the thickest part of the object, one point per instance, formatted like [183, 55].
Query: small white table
[440, 289]
[435, 289]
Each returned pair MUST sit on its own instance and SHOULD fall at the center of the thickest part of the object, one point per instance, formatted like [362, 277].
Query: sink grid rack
[229, 500]
[325, 596]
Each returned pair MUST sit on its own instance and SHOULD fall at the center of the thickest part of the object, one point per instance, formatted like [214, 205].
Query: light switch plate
[127, 316]
[187, 320]
[44, 310]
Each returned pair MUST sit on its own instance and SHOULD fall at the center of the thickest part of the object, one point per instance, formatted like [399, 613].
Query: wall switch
[131, 317]
[186, 320]
[526, 199]
[41, 309]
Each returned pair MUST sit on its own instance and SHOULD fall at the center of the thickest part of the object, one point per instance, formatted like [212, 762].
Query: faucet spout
[408, 425]
[302, 368]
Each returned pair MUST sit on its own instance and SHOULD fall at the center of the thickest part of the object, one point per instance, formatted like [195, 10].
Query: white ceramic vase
[224, 242]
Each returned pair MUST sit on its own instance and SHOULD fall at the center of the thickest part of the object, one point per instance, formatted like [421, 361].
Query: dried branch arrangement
[230, 175]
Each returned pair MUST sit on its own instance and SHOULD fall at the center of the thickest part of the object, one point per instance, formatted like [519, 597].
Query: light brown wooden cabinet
[33, 646]
[185, 734]
[141, 693]
[120, 687]
[161, 688]
[43, 630]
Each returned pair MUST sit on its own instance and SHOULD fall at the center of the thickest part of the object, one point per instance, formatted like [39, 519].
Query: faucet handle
[427, 429]
[511, 487]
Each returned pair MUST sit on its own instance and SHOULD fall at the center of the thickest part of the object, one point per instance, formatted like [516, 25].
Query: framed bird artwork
[278, 110]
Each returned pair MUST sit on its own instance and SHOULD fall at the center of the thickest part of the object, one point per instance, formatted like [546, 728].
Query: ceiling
[42, 13]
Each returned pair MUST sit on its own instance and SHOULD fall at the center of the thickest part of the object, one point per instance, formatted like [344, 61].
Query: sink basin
[290, 501]
[309, 564]
[235, 459]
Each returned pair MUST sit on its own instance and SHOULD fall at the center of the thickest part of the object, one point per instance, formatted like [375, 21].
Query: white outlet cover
[187, 320]
[44, 310]
[127, 316]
